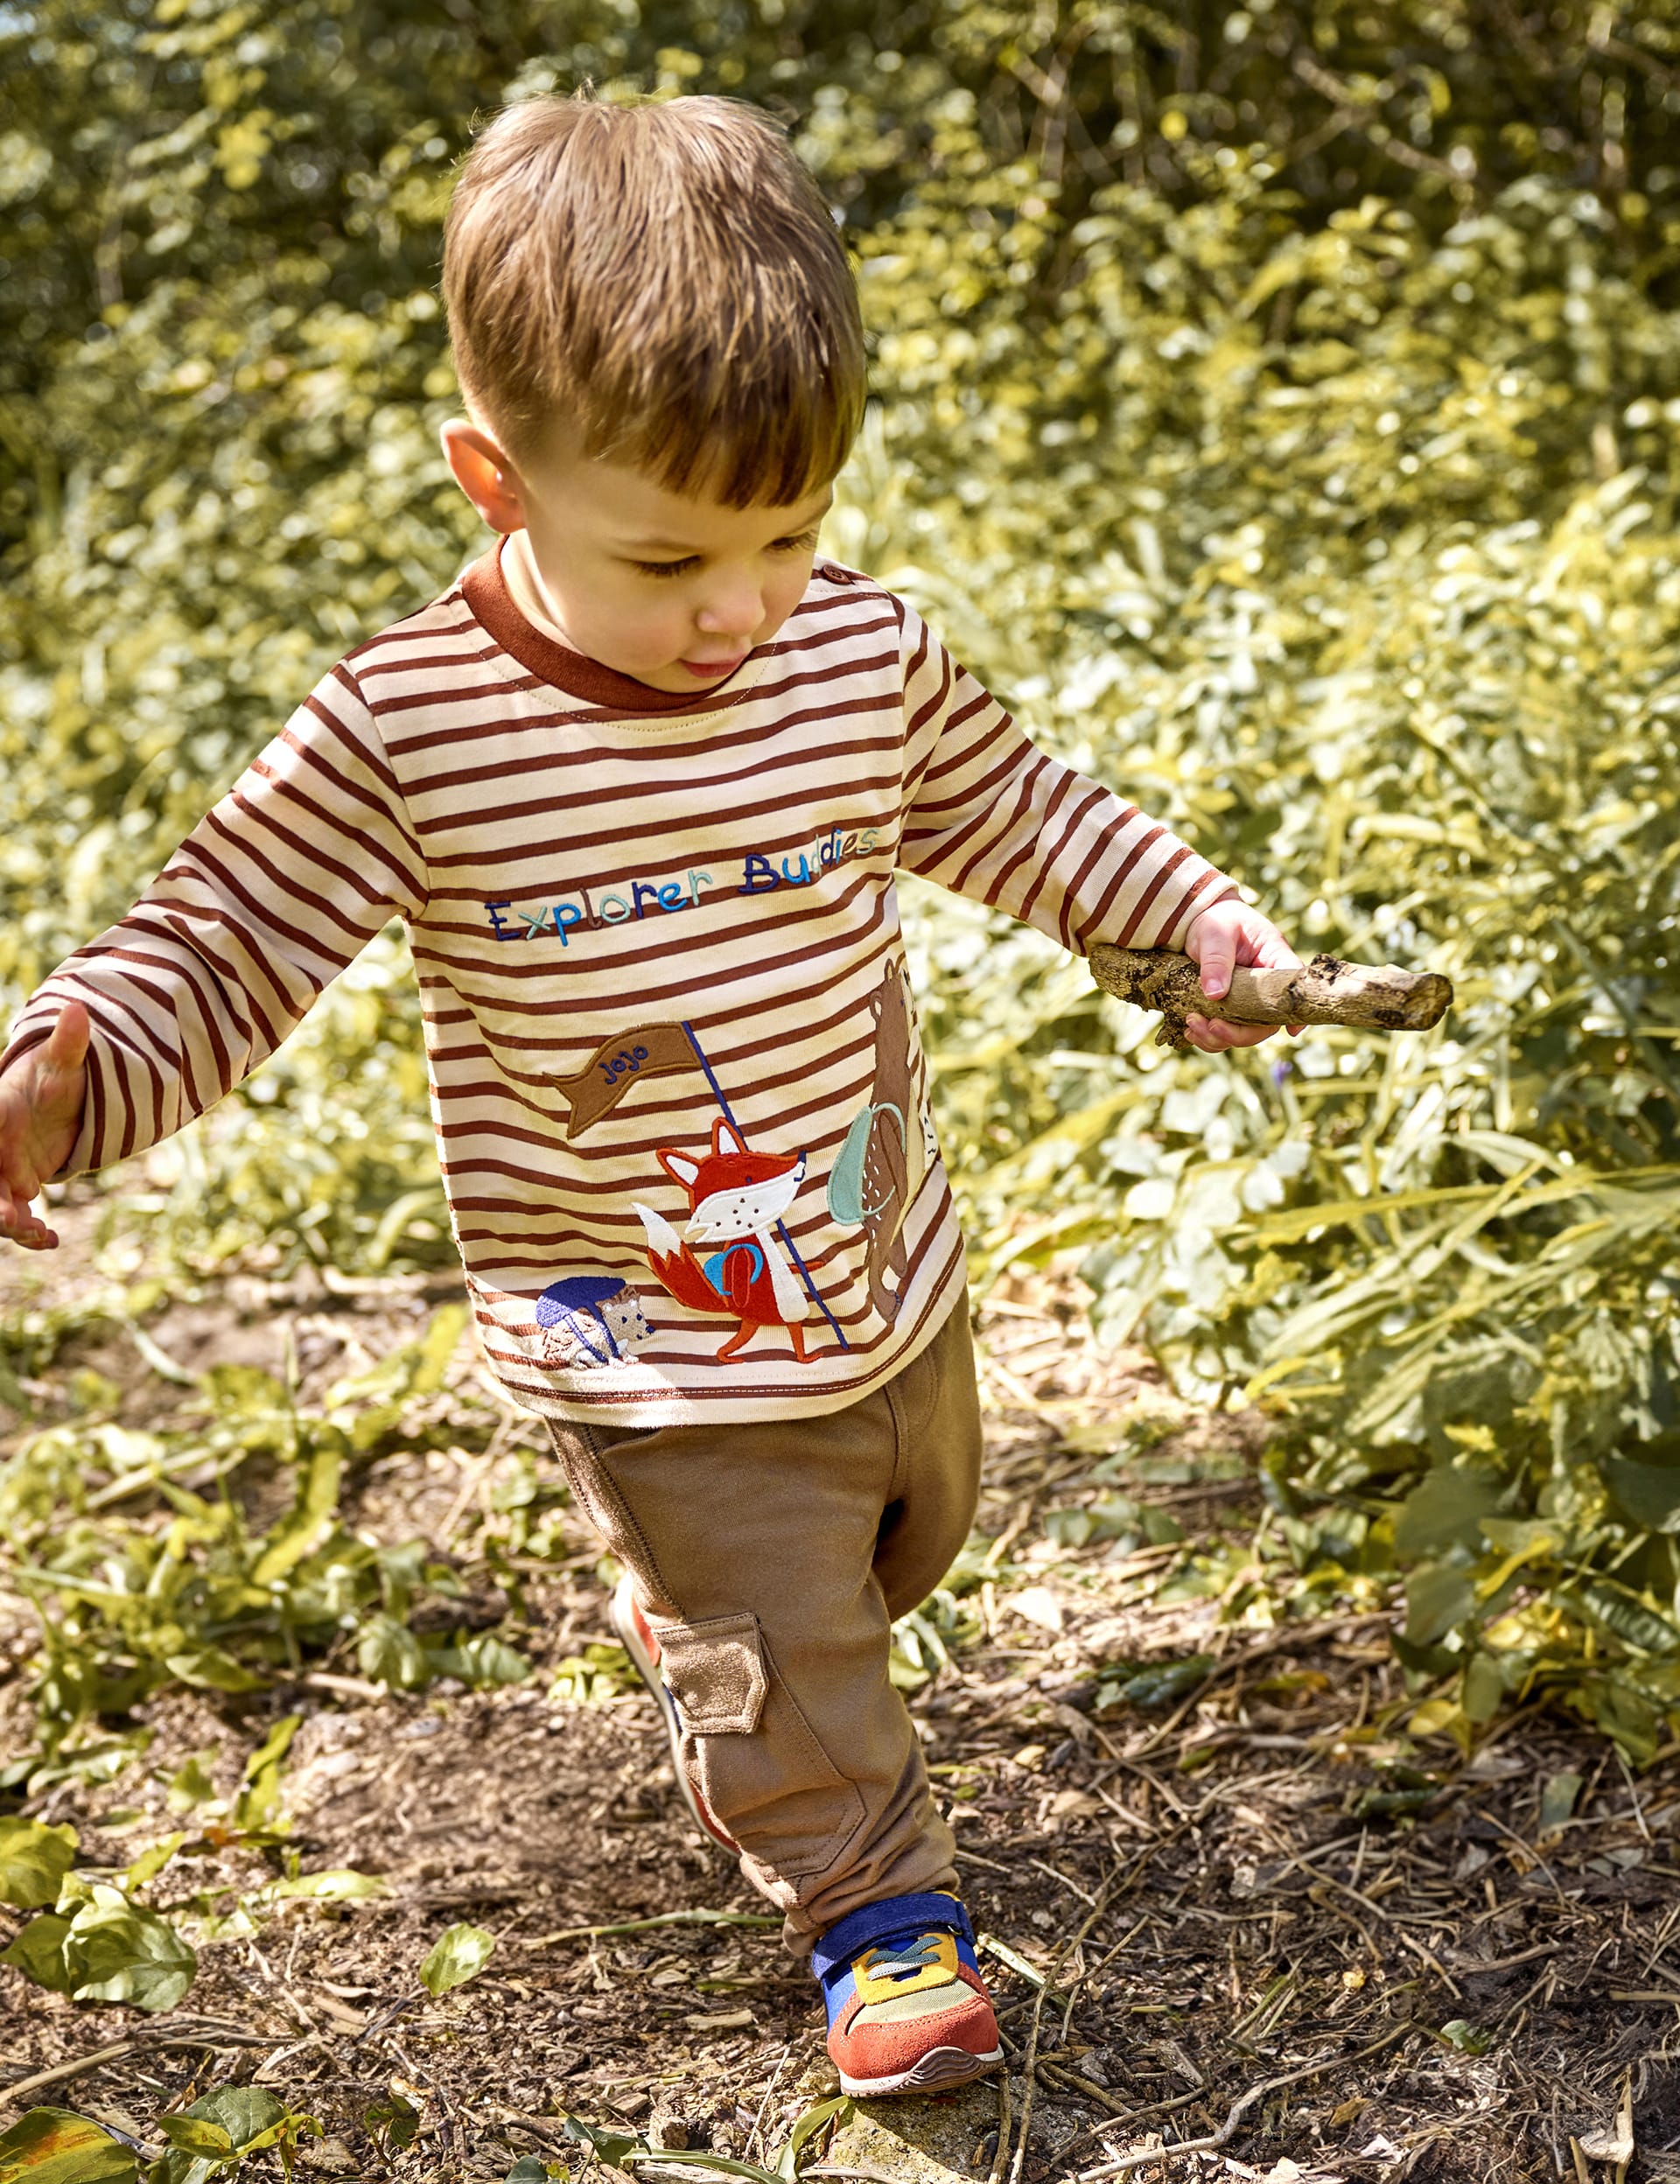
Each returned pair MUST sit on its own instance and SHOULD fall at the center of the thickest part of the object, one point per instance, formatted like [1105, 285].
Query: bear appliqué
[887, 1150]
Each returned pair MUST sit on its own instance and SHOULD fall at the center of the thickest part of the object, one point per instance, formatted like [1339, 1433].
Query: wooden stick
[1370, 998]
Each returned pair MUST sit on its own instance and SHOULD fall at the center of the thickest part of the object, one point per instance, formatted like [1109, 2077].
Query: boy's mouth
[714, 670]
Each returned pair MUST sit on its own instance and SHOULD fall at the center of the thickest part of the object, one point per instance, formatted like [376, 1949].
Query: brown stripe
[173, 969]
[405, 633]
[1155, 887]
[933, 704]
[1028, 845]
[1097, 921]
[289, 885]
[1049, 872]
[191, 934]
[680, 829]
[311, 755]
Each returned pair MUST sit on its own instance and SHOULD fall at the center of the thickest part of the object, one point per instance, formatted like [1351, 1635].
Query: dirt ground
[1240, 1926]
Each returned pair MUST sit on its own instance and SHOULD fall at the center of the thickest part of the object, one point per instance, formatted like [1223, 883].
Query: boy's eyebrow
[658, 544]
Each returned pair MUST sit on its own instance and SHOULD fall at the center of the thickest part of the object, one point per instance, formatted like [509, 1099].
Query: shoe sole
[939, 2068]
[646, 1668]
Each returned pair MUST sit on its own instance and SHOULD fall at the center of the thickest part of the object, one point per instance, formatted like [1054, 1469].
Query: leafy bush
[1277, 405]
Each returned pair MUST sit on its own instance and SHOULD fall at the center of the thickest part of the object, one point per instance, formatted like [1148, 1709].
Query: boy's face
[672, 589]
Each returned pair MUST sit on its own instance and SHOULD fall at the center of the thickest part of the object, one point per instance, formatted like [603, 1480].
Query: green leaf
[316, 1509]
[1632, 1622]
[245, 2113]
[1438, 1598]
[1484, 1687]
[226, 2125]
[460, 1953]
[274, 1746]
[439, 1344]
[482, 1662]
[611, 2147]
[397, 2119]
[808, 2127]
[152, 1861]
[338, 1884]
[1557, 1801]
[388, 1652]
[619, 2151]
[257, 1802]
[55, 2146]
[1159, 1683]
[1648, 1492]
[193, 2134]
[37, 1952]
[118, 1951]
[531, 2168]
[212, 1669]
[1464, 2036]
[34, 1860]
[1444, 1510]
[191, 1784]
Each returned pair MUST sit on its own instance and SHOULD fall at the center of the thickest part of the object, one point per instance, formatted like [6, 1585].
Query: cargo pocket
[751, 1751]
[716, 1673]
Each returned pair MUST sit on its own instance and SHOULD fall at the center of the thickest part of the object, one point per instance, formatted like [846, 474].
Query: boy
[638, 783]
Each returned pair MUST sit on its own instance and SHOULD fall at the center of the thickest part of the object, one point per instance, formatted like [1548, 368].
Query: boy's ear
[483, 474]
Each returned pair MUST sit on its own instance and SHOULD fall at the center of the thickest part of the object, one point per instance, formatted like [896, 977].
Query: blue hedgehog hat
[575, 1303]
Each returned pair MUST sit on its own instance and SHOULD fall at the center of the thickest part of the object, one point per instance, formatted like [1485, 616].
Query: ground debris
[1228, 1904]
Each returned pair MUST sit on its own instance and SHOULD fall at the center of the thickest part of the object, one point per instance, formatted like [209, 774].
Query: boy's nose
[735, 613]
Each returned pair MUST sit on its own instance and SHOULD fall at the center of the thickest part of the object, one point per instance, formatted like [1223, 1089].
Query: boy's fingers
[20, 1221]
[1214, 1035]
[1216, 967]
[67, 1047]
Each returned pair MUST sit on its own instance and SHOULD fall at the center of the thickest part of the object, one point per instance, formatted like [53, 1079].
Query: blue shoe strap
[881, 1921]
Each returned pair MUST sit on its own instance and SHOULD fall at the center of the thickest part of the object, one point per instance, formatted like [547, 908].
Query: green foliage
[139, 1559]
[1278, 407]
[223, 2129]
[459, 1953]
[212, 2138]
[108, 1948]
[34, 1858]
[54, 2145]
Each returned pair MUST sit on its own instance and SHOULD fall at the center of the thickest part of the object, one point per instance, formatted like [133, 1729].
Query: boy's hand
[41, 1119]
[1222, 935]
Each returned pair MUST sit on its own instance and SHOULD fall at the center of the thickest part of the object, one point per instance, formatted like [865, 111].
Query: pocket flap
[715, 1669]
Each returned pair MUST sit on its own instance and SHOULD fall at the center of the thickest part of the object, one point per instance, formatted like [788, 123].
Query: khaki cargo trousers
[771, 1560]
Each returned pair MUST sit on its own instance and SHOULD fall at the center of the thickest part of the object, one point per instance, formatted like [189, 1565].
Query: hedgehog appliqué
[590, 1322]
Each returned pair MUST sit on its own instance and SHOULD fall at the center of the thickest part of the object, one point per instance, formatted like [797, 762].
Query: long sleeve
[991, 815]
[280, 884]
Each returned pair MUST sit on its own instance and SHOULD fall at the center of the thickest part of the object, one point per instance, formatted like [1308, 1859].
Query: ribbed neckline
[486, 589]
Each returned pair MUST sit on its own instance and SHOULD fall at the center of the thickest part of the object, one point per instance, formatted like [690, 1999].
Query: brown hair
[665, 279]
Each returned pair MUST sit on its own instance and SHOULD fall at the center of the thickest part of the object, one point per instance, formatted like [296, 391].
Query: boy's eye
[804, 543]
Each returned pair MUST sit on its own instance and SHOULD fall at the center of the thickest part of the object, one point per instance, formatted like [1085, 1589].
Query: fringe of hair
[664, 279]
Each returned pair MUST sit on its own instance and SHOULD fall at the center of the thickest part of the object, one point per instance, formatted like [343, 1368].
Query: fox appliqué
[736, 1198]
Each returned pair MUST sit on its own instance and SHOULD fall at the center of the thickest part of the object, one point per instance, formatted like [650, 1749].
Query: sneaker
[636, 1636]
[908, 2012]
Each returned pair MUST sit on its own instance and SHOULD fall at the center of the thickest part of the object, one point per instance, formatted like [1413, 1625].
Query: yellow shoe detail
[884, 1975]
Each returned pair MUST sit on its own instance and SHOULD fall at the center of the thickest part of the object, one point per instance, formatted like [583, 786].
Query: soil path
[1240, 1907]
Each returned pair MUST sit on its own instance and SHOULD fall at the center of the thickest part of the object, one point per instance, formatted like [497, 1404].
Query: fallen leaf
[1037, 1604]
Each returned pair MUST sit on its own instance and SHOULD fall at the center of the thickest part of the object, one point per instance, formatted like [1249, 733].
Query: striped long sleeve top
[679, 1095]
